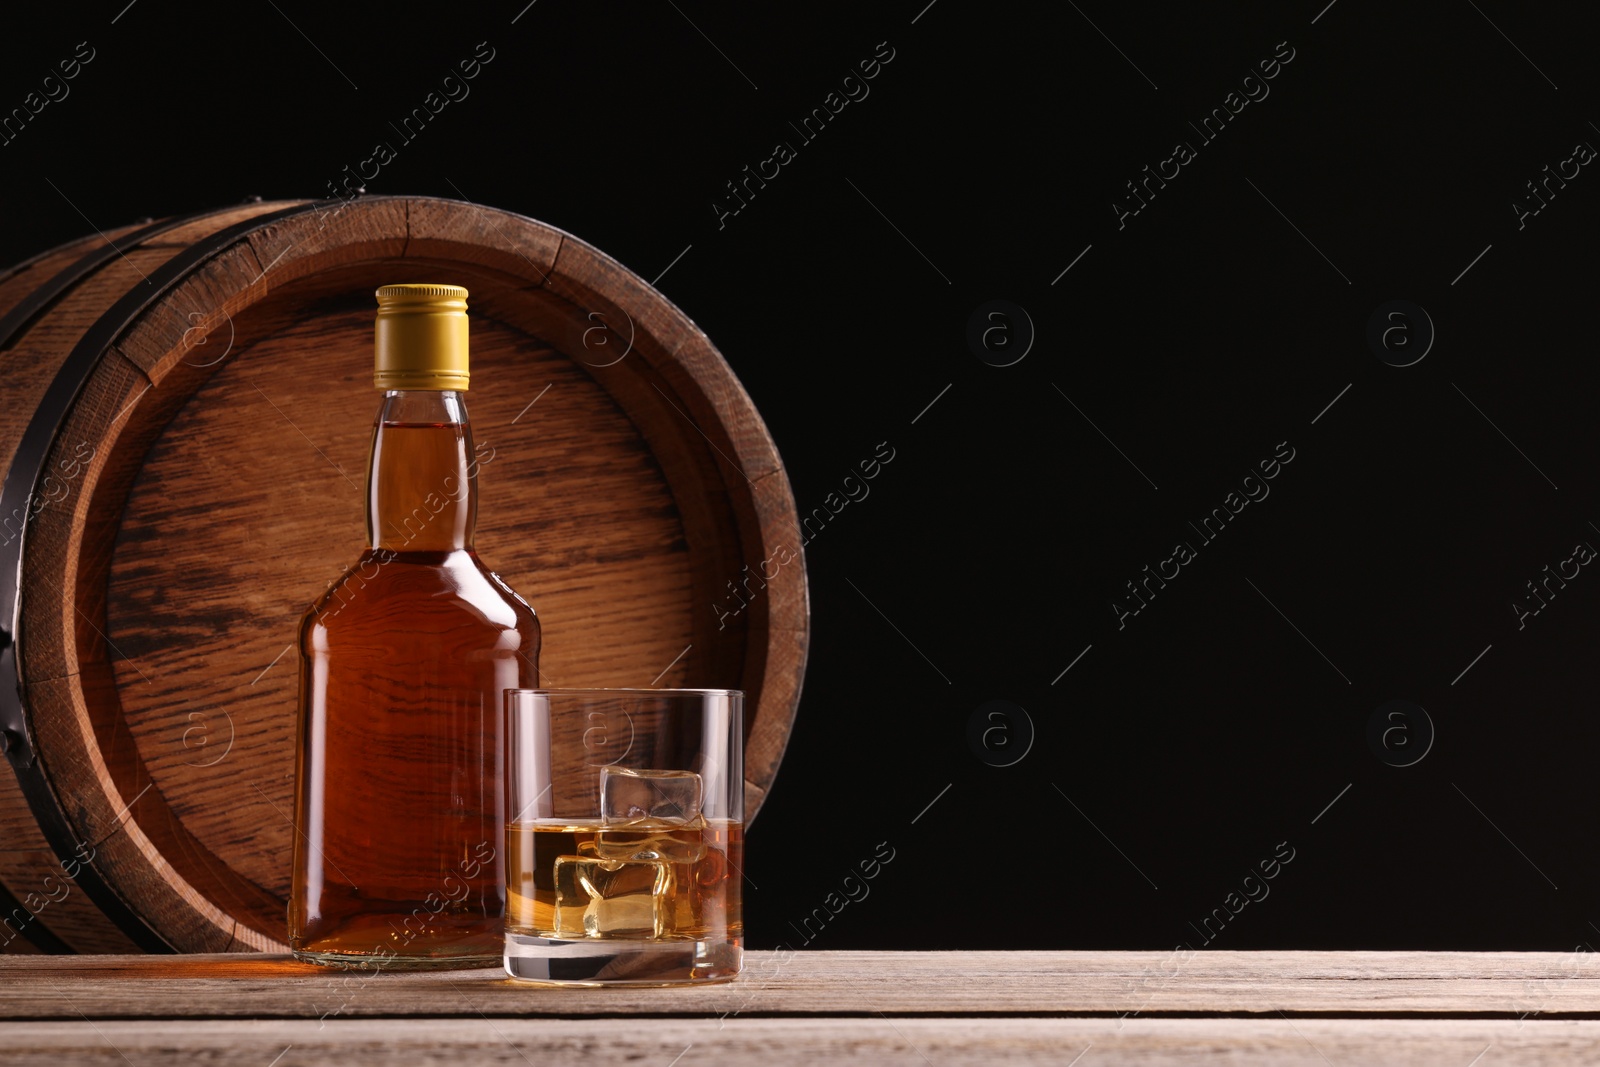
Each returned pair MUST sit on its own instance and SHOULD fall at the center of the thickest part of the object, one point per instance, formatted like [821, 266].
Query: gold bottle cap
[420, 340]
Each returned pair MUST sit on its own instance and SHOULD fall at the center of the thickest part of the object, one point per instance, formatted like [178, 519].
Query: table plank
[1510, 985]
[780, 1042]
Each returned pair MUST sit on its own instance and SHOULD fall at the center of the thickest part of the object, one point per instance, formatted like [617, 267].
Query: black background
[1221, 320]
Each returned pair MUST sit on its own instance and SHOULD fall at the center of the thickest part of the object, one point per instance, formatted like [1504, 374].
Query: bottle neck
[422, 482]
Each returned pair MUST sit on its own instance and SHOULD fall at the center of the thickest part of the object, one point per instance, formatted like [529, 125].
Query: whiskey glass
[624, 836]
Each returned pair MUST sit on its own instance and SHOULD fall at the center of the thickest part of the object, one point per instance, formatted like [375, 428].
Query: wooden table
[1286, 1009]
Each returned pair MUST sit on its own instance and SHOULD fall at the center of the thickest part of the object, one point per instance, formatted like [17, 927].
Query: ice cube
[650, 839]
[598, 897]
[628, 794]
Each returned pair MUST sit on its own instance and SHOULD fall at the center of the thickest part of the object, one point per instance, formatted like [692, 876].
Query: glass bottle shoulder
[418, 592]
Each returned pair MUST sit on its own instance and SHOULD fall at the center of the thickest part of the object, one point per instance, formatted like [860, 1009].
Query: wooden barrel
[188, 407]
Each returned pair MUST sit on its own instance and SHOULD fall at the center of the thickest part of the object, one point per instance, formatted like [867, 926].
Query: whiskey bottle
[404, 661]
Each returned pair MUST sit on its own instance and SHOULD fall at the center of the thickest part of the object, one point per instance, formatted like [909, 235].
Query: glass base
[361, 961]
[614, 961]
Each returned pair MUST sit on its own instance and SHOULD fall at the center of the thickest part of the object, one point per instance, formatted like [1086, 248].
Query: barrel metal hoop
[46, 294]
[34, 260]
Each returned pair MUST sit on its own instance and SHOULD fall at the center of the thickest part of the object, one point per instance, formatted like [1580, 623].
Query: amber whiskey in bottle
[404, 662]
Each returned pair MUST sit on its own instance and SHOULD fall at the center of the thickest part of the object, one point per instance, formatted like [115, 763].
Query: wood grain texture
[1507, 985]
[227, 427]
[17, 280]
[1301, 1009]
[895, 1042]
